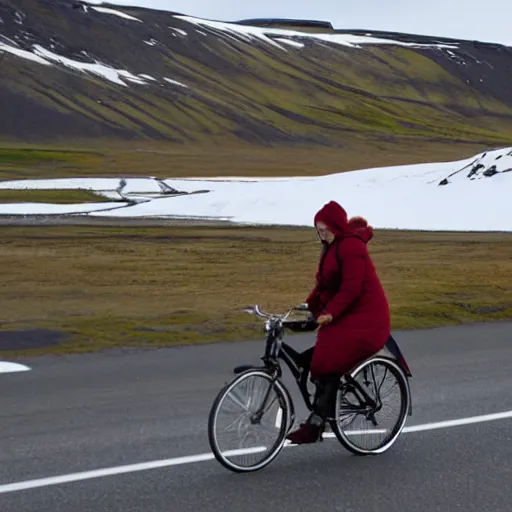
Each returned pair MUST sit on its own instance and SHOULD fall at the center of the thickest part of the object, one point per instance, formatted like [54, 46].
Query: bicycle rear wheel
[251, 443]
[366, 430]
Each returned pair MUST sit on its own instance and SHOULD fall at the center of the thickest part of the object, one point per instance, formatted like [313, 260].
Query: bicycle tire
[278, 445]
[397, 372]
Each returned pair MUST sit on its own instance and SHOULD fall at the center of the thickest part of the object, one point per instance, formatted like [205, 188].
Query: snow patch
[46, 57]
[433, 196]
[175, 82]
[131, 78]
[104, 10]
[456, 58]
[289, 42]
[482, 167]
[23, 54]
[107, 72]
[179, 31]
[405, 197]
[6, 367]
[250, 33]
[245, 32]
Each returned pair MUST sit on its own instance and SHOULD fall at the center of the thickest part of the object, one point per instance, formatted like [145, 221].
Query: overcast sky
[484, 20]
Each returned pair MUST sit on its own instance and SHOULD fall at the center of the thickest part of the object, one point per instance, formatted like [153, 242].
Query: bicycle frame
[276, 349]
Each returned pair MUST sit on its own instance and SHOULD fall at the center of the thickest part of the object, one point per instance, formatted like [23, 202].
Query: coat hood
[336, 219]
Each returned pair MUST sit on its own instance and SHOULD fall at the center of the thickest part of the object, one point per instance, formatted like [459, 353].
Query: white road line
[203, 457]
[440, 424]
[460, 422]
[119, 470]
[6, 367]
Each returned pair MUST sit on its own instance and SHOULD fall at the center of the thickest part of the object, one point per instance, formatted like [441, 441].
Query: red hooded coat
[347, 287]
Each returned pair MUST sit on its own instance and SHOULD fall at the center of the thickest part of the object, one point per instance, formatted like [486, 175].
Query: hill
[80, 74]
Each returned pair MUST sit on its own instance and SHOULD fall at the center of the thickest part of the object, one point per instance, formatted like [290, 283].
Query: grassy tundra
[154, 286]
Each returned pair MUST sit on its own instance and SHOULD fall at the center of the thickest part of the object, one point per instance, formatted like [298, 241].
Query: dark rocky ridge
[240, 88]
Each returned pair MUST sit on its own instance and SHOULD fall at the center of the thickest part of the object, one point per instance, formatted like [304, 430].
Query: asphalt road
[88, 412]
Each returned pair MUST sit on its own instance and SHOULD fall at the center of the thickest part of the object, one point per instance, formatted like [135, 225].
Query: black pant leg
[325, 395]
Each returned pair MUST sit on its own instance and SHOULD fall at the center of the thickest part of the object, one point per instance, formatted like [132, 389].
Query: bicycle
[282, 420]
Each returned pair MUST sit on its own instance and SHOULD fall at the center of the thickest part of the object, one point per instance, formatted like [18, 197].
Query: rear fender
[393, 347]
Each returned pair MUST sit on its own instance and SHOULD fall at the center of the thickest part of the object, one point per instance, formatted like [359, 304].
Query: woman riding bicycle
[350, 305]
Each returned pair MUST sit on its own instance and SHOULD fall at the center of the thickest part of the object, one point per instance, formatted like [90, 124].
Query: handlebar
[256, 310]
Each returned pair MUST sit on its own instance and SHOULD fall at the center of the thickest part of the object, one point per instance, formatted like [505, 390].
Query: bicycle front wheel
[248, 422]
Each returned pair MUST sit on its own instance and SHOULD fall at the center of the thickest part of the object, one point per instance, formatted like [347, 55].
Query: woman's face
[324, 232]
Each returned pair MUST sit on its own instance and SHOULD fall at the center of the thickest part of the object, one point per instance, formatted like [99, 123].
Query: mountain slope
[73, 71]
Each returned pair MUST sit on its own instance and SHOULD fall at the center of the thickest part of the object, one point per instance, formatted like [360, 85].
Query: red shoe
[305, 434]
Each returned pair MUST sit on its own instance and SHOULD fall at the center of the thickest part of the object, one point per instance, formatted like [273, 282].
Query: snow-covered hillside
[283, 39]
[469, 195]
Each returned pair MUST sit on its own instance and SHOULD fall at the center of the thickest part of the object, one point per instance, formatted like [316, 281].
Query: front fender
[245, 367]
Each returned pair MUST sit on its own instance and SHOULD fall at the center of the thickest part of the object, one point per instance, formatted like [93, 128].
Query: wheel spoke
[236, 421]
[238, 401]
[372, 430]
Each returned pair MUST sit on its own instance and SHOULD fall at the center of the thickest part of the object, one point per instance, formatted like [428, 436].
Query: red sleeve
[312, 294]
[352, 254]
